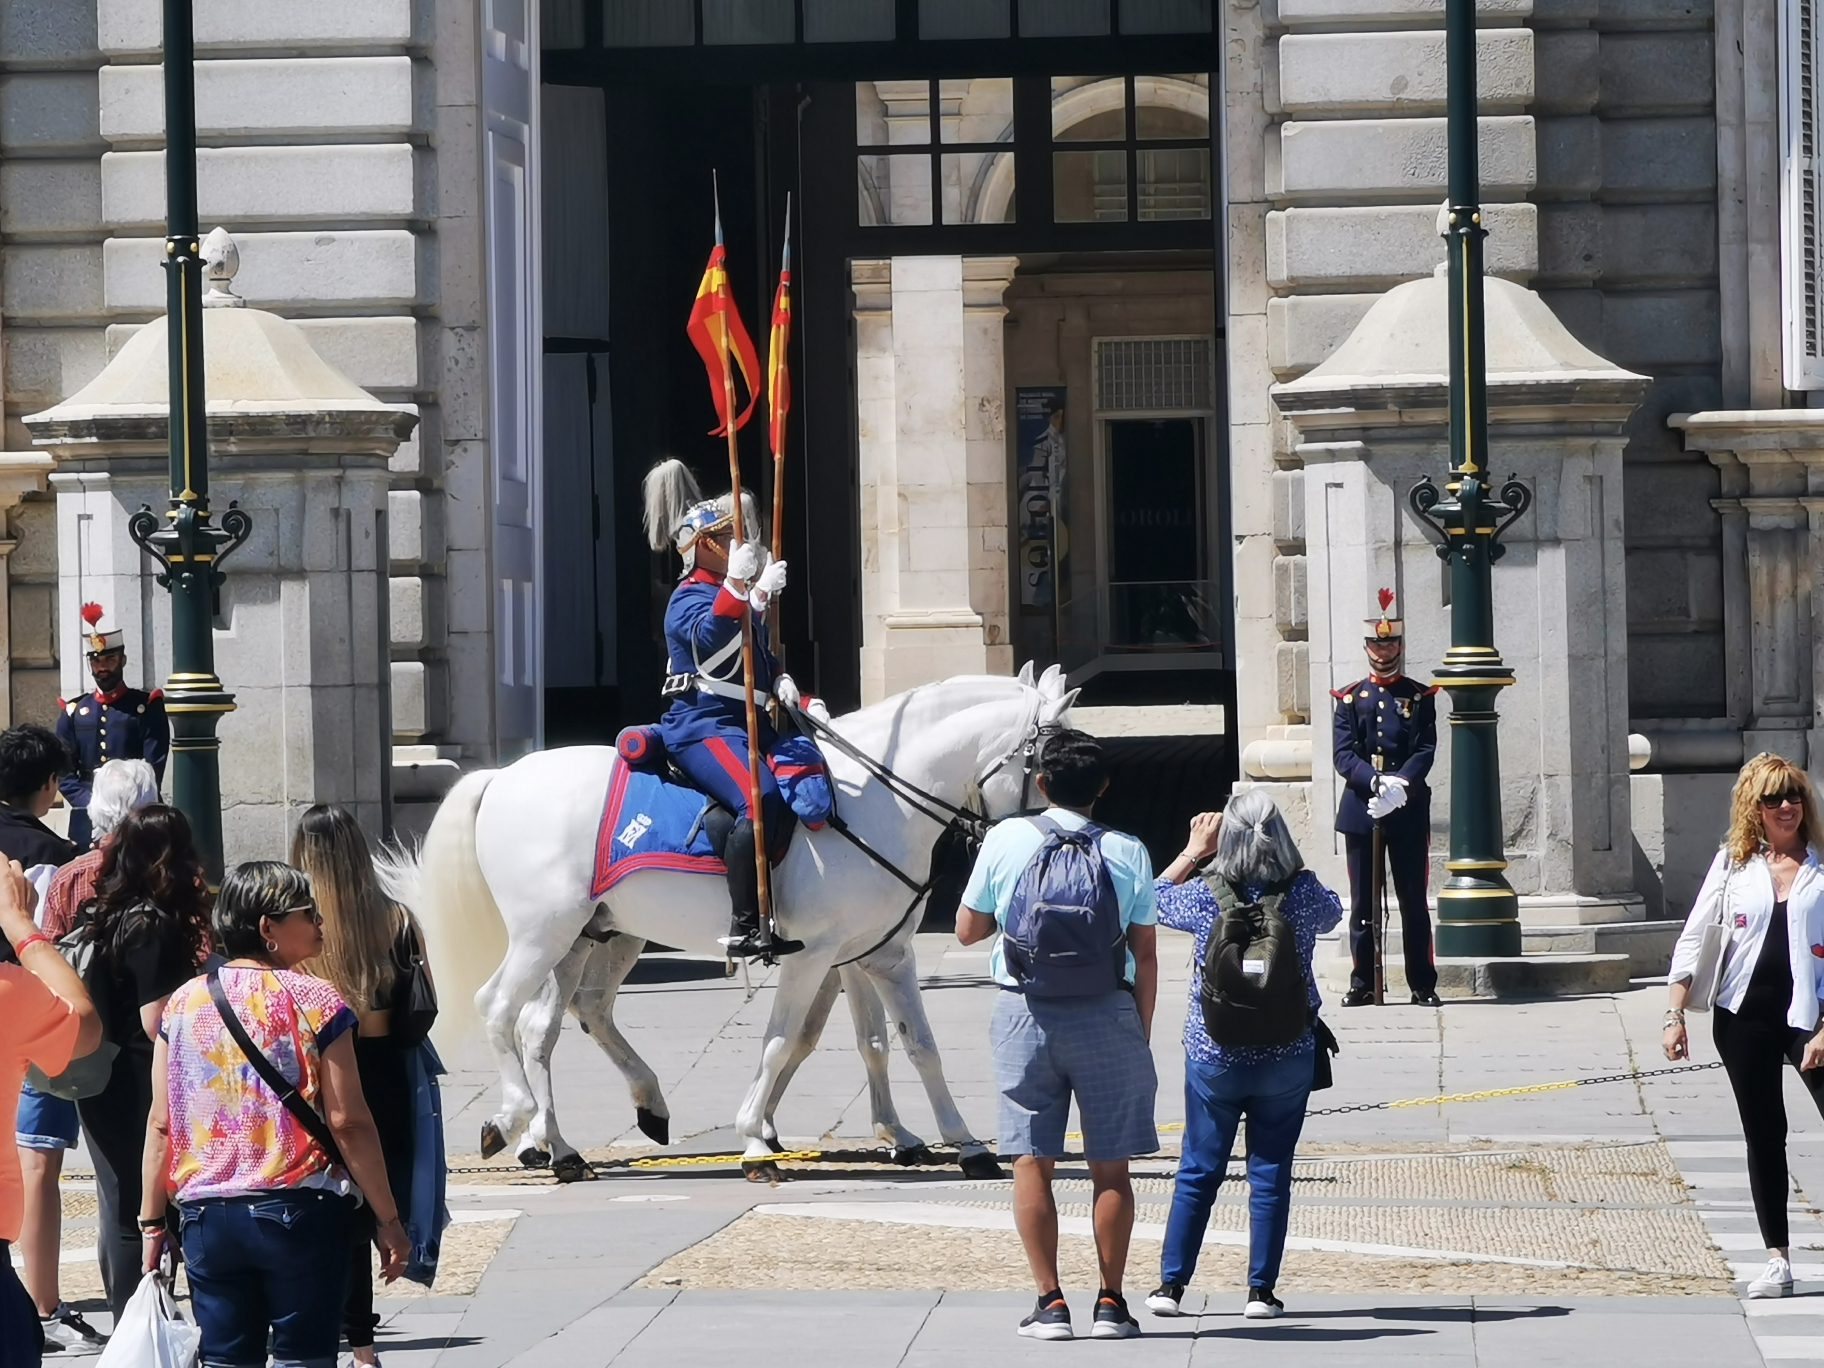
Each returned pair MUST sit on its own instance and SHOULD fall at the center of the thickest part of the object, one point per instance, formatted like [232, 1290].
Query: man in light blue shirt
[1091, 1045]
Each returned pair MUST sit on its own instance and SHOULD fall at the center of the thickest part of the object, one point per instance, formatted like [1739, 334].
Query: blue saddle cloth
[650, 824]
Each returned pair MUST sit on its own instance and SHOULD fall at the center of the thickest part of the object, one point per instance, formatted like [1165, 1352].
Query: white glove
[785, 689]
[771, 580]
[1389, 796]
[743, 561]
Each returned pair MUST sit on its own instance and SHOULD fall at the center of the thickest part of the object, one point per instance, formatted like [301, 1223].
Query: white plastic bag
[151, 1333]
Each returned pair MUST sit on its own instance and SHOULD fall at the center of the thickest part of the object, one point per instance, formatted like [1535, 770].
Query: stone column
[1772, 465]
[298, 642]
[1372, 420]
[932, 438]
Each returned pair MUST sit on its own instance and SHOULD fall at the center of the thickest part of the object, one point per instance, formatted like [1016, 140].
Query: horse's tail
[443, 885]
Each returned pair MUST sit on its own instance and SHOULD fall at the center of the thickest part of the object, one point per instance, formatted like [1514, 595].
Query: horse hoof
[761, 1171]
[572, 1168]
[912, 1156]
[492, 1141]
[535, 1158]
[981, 1164]
[654, 1127]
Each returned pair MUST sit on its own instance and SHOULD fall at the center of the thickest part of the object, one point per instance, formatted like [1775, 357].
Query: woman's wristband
[148, 1226]
[35, 938]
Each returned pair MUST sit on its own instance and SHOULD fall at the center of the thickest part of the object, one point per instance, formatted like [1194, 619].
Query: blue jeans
[1216, 1097]
[277, 1262]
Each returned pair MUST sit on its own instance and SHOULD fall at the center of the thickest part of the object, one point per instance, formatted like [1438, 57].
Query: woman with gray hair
[120, 787]
[1223, 1083]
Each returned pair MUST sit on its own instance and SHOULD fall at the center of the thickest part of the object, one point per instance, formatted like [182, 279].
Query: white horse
[513, 851]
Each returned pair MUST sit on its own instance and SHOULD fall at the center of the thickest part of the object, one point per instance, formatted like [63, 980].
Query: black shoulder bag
[286, 1091]
[414, 1009]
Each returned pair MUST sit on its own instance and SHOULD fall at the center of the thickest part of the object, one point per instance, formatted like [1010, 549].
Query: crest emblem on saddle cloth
[634, 830]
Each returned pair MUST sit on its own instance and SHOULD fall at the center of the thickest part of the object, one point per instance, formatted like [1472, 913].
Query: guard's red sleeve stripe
[1432, 690]
[727, 605]
[1341, 695]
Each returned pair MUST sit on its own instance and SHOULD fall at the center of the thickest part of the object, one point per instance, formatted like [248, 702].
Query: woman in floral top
[1223, 1083]
[263, 1206]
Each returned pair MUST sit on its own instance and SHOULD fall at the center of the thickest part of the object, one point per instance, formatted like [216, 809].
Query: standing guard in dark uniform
[112, 723]
[1386, 732]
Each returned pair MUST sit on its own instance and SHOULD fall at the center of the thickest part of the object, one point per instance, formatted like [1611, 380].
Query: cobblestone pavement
[1573, 1226]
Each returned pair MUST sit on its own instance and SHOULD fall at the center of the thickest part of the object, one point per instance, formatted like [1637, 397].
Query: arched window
[1130, 147]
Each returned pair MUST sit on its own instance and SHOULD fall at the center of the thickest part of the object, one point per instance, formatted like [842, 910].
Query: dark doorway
[1157, 548]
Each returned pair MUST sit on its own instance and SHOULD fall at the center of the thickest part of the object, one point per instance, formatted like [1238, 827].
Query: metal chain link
[1486, 1094]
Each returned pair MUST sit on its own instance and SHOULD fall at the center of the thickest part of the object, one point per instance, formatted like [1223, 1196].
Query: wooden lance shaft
[747, 666]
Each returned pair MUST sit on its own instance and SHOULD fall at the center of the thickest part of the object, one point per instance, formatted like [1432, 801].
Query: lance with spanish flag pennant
[779, 392]
[715, 327]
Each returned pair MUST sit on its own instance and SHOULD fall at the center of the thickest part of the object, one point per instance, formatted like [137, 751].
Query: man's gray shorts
[1046, 1049]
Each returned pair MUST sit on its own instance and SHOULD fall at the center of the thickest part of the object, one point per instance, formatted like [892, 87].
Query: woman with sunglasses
[263, 1203]
[149, 923]
[1768, 884]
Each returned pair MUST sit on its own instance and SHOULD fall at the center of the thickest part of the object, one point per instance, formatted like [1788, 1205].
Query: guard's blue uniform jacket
[703, 634]
[1397, 719]
[127, 724]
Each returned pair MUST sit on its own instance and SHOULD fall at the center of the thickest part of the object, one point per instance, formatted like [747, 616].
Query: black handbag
[1326, 1045]
[414, 995]
[286, 1091]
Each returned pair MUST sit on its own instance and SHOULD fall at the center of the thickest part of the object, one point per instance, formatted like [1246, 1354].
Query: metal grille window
[1153, 374]
[1800, 264]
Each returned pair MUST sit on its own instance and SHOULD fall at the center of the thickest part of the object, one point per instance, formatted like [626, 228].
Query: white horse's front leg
[895, 972]
[502, 1001]
[800, 983]
[593, 1004]
[815, 1020]
[873, 1038]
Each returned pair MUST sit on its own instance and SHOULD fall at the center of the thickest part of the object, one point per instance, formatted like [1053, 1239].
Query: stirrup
[753, 945]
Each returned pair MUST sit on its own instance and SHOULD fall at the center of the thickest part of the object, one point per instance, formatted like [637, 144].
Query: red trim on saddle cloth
[609, 871]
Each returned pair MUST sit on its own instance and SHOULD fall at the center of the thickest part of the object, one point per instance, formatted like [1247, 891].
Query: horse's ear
[1063, 704]
[1051, 683]
[1026, 674]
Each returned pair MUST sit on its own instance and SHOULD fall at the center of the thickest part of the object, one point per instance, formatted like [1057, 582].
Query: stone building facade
[486, 213]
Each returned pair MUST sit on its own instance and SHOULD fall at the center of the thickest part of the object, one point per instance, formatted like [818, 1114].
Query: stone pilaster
[932, 445]
[1772, 507]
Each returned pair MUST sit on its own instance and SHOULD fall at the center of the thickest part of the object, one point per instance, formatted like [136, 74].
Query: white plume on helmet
[676, 511]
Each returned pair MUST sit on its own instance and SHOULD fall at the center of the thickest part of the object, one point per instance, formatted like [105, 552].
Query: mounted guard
[704, 729]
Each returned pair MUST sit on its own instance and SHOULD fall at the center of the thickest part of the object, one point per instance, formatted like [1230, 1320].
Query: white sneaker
[1775, 1282]
[1263, 1305]
[65, 1328]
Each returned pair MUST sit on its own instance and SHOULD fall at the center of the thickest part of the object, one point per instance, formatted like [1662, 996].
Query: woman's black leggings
[1755, 1055]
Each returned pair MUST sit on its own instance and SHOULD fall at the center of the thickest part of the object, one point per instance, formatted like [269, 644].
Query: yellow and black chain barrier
[656, 1161]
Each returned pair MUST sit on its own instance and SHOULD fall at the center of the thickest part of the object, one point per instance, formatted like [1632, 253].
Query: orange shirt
[39, 1027]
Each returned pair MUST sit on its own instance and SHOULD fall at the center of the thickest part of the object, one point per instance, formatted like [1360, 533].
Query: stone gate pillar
[301, 629]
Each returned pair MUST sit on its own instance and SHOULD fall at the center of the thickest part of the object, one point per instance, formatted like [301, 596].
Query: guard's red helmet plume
[91, 613]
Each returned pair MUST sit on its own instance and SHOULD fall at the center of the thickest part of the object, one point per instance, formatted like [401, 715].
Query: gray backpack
[1064, 936]
[87, 1076]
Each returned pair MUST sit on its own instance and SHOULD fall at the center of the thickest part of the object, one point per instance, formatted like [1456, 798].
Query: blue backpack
[1063, 936]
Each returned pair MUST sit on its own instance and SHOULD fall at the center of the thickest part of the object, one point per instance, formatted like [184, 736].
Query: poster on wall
[1042, 515]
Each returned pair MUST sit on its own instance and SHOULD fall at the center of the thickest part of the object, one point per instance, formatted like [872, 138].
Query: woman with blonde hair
[1767, 889]
[372, 949]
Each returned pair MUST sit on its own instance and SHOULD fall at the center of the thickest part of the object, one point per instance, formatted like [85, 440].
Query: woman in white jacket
[1768, 886]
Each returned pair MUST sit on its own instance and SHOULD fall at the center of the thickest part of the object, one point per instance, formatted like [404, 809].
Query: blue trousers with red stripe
[719, 765]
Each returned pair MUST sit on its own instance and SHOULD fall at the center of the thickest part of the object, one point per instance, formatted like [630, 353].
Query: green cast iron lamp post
[185, 541]
[1478, 912]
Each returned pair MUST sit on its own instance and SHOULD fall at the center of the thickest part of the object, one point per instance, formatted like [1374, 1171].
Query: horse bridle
[972, 824]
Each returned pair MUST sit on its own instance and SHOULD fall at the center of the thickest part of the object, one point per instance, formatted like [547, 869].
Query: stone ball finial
[221, 260]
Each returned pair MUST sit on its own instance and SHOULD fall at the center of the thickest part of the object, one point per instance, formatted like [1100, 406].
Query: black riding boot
[745, 939]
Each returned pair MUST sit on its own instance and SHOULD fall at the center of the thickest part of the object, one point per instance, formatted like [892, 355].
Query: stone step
[1647, 944]
[1505, 976]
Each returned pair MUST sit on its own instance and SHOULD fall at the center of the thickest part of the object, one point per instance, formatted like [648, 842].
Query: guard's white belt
[735, 691]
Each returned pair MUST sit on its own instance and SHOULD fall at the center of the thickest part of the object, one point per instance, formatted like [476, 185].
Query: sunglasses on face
[308, 909]
[1790, 798]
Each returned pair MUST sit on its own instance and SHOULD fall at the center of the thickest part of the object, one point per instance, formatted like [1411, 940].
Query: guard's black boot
[746, 938]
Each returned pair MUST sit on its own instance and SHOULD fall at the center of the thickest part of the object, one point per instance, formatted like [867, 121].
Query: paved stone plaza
[1567, 1227]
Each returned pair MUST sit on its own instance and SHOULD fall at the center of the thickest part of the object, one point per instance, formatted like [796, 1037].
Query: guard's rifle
[1377, 898]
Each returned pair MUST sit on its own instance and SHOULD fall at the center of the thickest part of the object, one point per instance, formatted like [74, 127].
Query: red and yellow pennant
[778, 364]
[716, 329]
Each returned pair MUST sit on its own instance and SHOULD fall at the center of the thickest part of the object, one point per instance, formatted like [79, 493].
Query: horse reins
[945, 813]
